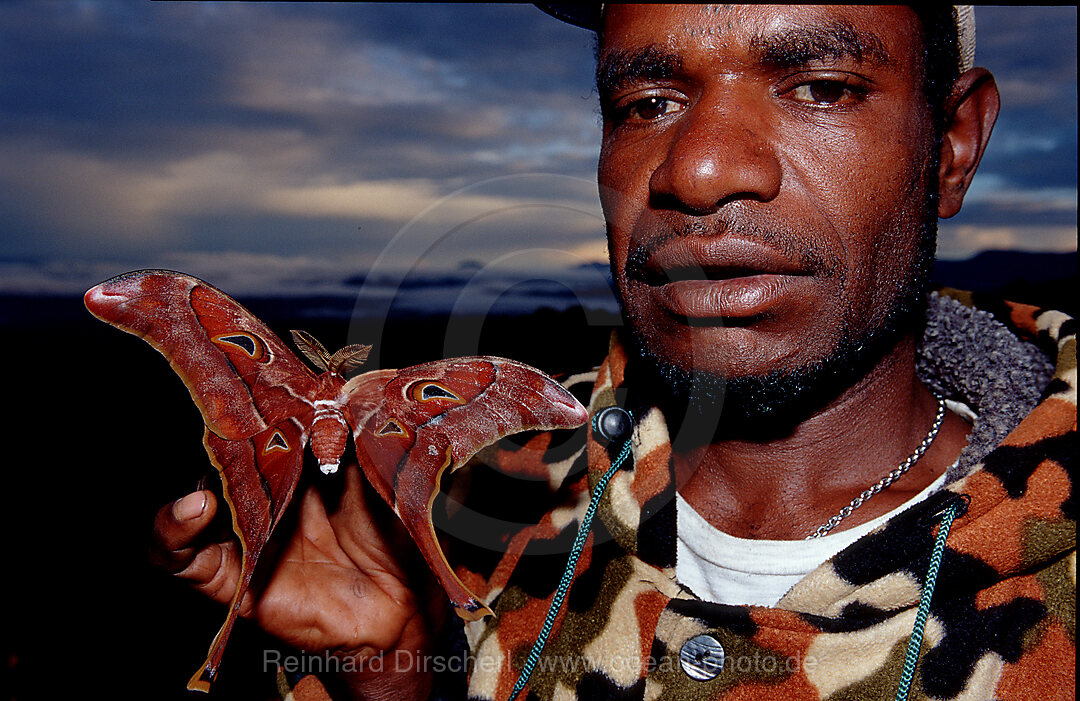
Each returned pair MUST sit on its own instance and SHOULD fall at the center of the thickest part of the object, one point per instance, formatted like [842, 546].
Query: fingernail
[190, 506]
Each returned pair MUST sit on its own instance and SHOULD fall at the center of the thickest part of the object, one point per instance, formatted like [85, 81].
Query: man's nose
[720, 153]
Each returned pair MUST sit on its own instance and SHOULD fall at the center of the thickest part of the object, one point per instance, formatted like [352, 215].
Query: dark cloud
[106, 66]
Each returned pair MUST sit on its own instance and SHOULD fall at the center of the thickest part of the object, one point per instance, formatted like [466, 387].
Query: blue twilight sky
[294, 147]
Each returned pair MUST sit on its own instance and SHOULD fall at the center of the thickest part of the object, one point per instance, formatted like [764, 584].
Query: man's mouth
[702, 278]
[663, 276]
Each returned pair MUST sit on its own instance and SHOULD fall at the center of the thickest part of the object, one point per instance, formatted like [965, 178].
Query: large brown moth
[262, 405]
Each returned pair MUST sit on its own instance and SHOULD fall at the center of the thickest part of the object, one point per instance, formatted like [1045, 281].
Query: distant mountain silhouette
[1044, 279]
[992, 270]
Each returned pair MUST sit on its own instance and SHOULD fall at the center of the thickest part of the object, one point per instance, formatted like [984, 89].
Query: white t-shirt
[727, 570]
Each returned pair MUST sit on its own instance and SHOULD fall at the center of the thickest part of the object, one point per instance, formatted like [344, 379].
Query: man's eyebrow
[802, 45]
[617, 69]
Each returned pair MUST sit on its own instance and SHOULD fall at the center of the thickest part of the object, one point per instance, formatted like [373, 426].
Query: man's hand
[340, 584]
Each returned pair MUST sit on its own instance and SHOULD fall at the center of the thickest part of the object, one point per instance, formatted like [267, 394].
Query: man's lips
[735, 298]
[713, 277]
[715, 258]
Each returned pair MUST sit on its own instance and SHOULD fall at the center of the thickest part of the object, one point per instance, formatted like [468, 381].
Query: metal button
[613, 423]
[702, 657]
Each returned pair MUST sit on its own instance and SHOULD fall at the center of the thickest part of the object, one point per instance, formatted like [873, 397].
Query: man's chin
[770, 404]
[766, 405]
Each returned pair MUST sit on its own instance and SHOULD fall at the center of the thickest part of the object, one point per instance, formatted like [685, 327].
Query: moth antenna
[349, 358]
[312, 349]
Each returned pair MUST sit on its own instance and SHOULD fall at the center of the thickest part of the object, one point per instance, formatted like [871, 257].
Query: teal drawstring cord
[568, 574]
[915, 642]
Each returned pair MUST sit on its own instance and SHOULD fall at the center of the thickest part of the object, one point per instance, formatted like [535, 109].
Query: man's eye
[649, 108]
[828, 92]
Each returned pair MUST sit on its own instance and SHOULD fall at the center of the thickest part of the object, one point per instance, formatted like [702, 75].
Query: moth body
[329, 434]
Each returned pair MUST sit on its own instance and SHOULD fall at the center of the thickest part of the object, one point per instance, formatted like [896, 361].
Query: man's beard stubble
[772, 404]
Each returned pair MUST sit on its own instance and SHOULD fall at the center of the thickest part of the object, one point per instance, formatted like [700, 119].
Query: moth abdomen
[329, 435]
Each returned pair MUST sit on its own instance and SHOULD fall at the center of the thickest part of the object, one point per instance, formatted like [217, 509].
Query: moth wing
[239, 373]
[259, 475]
[411, 425]
[254, 394]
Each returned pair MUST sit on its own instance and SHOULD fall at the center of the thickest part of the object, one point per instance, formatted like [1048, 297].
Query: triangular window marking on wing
[428, 391]
[277, 442]
[392, 428]
[252, 346]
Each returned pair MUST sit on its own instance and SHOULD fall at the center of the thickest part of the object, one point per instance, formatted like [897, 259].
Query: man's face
[764, 176]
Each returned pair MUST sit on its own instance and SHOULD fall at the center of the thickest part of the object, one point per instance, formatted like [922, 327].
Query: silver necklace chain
[888, 479]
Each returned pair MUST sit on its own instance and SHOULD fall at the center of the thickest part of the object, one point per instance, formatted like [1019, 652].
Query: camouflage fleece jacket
[1002, 617]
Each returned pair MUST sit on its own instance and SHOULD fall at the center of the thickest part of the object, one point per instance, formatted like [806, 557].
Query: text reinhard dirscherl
[406, 661]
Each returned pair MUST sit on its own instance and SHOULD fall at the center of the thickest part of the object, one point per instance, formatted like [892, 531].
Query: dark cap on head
[585, 15]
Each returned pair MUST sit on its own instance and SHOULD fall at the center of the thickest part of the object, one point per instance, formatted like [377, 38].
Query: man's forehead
[775, 34]
[591, 16]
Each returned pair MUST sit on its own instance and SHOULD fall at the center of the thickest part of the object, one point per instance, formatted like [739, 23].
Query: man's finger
[177, 526]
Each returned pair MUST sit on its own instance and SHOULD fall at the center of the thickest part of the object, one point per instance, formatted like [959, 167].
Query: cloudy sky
[279, 147]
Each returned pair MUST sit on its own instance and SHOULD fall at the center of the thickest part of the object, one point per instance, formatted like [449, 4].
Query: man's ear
[970, 114]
